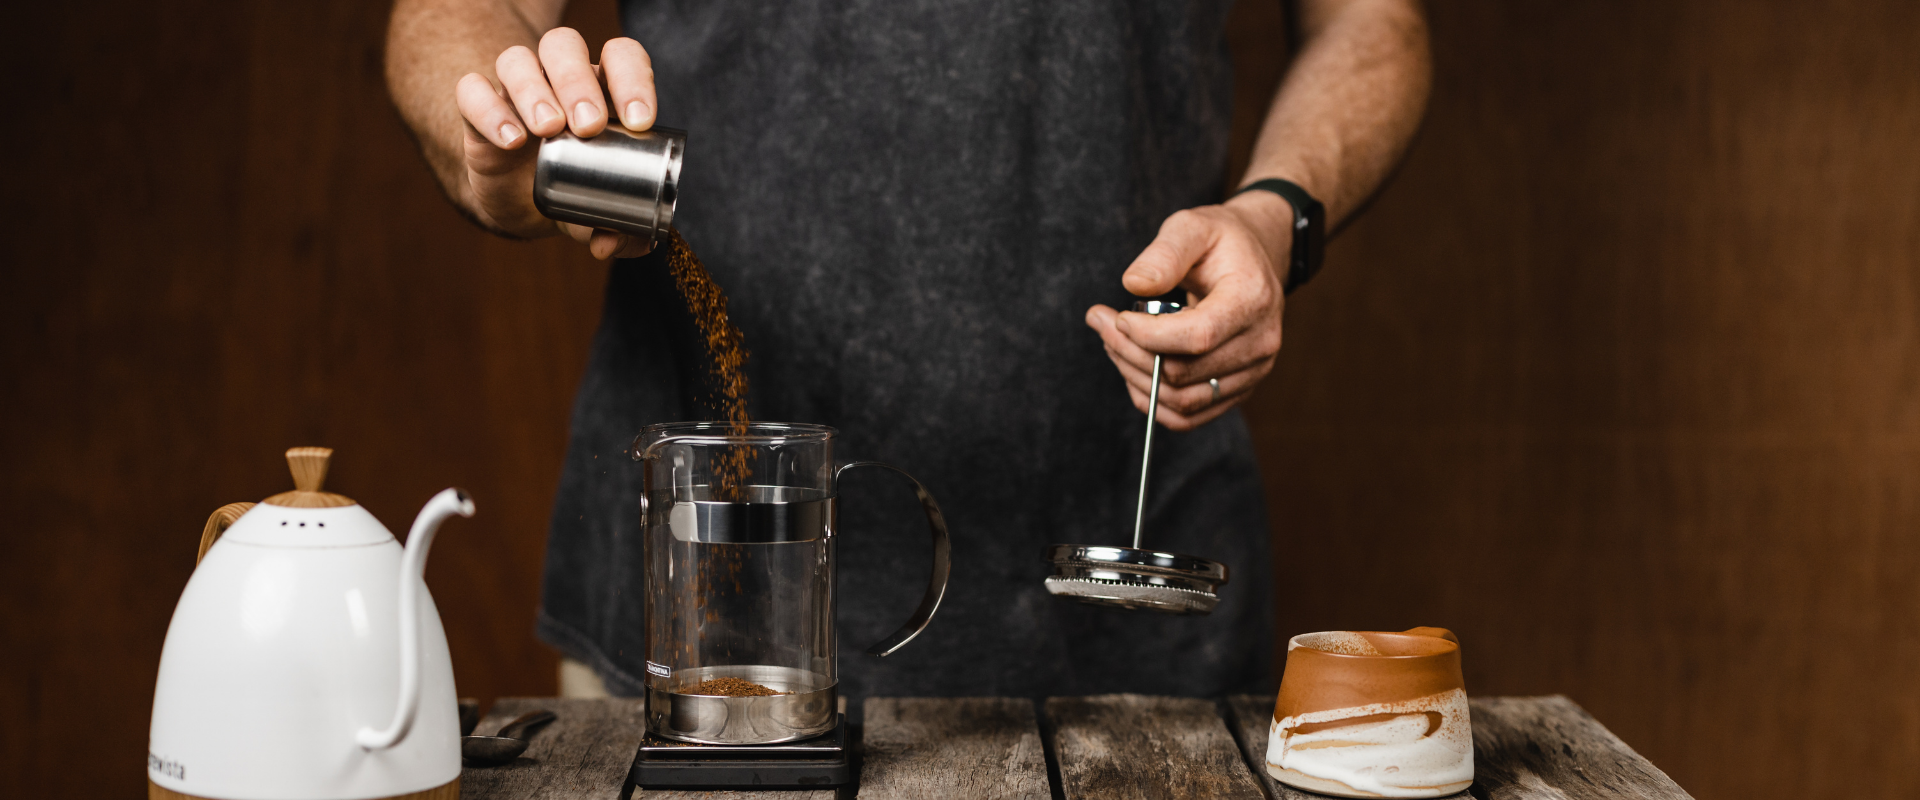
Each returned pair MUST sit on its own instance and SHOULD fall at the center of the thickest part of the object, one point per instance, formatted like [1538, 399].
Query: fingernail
[1147, 276]
[509, 133]
[585, 114]
[1120, 323]
[636, 114]
[543, 114]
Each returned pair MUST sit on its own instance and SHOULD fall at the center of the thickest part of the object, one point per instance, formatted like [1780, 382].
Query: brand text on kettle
[170, 768]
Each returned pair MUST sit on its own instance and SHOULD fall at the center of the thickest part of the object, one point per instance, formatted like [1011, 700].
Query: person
[917, 208]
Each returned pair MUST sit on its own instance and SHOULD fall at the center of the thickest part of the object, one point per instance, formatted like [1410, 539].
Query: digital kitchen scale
[819, 762]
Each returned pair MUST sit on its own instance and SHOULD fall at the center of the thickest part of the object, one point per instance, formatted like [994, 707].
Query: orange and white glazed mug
[1373, 714]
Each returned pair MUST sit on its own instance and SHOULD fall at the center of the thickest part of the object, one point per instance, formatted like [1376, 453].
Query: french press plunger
[738, 540]
[1130, 577]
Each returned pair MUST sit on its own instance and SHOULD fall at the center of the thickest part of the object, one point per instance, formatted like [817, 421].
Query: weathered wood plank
[1132, 747]
[1524, 748]
[937, 748]
[583, 755]
[1550, 747]
[1251, 717]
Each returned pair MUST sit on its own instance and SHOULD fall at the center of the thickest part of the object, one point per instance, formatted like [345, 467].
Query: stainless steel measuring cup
[621, 180]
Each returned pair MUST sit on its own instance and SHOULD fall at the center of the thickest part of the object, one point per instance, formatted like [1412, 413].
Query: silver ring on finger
[1215, 384]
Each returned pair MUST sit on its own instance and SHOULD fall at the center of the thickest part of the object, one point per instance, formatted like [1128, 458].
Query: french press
[738, 543]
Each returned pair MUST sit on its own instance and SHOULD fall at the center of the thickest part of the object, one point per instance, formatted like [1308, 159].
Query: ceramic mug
[1373, 714]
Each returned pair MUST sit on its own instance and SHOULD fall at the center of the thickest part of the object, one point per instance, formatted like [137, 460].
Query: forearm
[1351, 102]
[431, 44]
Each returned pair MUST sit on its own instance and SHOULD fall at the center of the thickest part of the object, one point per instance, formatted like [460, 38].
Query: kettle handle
[222, 519]
[942, 562]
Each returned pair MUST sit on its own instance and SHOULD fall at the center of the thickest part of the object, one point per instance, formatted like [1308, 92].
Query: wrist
[1270, 217]
[1308, 233]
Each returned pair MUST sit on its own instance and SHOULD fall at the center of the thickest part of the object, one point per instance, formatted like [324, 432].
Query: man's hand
[1343, 116]
[1231, 259]
[539, 96]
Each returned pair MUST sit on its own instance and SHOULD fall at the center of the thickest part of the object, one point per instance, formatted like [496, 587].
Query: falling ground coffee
[727, 361]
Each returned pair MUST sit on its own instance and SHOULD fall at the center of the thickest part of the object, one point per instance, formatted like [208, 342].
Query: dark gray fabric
[911, 204]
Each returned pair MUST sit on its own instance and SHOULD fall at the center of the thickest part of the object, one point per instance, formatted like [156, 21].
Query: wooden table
[1111, 746]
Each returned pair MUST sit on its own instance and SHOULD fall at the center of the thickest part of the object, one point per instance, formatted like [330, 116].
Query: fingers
[1103, 321]
[1246, 347]
[1196, 398]
[542, 95]
[1189, 403]
[1183, 239]
[497, 160]
[1198, 395]
[490, 114]
[520, 73]
[1236, 298]
[605, 244]
[560, 88]
[1177, 421]
[610, 244]
[1251, 344]
[629, 75]
[570, 72]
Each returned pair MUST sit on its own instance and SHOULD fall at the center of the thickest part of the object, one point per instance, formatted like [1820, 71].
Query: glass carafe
[738, 527]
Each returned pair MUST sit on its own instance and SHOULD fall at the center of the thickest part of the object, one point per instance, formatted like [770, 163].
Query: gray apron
[911, 204]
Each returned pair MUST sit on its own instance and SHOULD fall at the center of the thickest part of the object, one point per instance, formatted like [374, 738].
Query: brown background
[1620, 378]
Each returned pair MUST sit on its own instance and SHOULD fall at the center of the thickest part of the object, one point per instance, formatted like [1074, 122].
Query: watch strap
[1309, 228]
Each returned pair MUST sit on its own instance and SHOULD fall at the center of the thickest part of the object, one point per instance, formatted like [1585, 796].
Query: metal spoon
[508, 744]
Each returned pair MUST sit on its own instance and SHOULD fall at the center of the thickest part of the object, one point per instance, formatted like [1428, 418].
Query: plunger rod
[1146, 454]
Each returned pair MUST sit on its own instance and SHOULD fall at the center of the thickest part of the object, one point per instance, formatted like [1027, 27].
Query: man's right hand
[539, 96]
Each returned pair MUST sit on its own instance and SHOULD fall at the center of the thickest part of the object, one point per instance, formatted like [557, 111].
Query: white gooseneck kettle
[306, 659]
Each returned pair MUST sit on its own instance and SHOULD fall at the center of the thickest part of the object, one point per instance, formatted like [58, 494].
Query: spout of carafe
[413, 566]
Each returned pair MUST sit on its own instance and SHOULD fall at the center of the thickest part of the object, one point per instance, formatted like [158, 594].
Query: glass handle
[942, 562]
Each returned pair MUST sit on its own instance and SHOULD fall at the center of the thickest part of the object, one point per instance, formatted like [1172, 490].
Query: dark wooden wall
[219, 243]
[1620, 379]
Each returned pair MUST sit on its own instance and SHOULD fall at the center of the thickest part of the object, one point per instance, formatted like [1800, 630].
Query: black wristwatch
[1309, 228]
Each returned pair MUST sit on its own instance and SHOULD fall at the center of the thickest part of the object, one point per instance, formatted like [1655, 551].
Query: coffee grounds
[728, 351]
[731, 687]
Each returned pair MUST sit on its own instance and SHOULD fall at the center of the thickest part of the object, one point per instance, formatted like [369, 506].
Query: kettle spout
[413, 565]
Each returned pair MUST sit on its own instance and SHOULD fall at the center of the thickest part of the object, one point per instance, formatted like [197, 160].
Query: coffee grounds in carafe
[727, 351]
[730, 687]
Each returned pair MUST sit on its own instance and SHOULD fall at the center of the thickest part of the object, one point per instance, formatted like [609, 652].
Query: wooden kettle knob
[309, 466]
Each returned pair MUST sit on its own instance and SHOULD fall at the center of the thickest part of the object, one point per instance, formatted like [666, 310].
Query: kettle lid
[309, 466]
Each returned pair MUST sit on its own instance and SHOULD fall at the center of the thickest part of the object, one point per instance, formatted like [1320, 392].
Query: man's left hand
[1231, 259]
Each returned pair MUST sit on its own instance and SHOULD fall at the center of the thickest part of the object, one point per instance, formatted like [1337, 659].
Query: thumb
[1160, 268]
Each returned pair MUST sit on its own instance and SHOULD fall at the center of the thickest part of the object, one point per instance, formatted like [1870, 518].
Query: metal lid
[1127, 577]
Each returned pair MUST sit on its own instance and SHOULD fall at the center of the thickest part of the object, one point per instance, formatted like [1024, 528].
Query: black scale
[817, 763]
